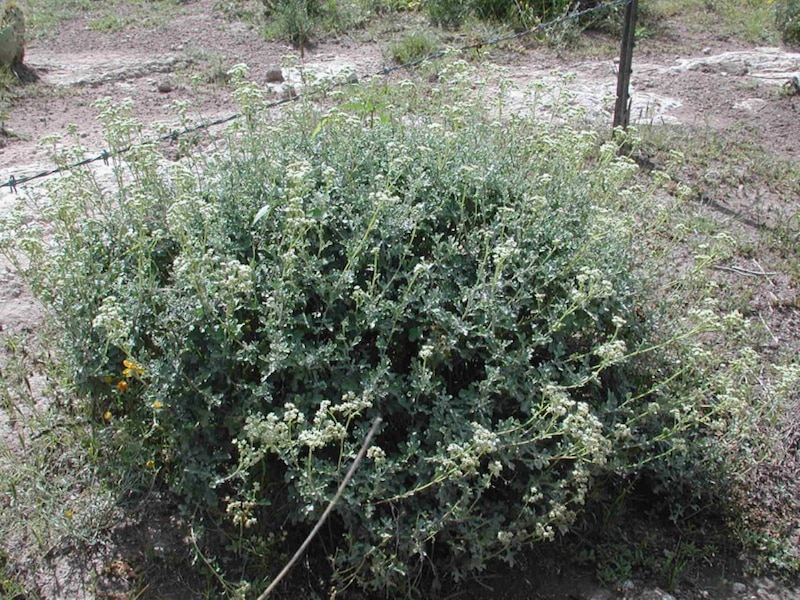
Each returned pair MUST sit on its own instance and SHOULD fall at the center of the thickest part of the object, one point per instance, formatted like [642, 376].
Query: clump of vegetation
[412, 47]
[787, 20]
[244, 317]
[520, 15]
[299, 21]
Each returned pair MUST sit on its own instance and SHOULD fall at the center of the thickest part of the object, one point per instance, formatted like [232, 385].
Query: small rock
[707, 50]
[751, 104]
[274, 76]
[165, 86]
[288, 92]
[738, 588]
[733, 67]
[656, 594]
[765, 584]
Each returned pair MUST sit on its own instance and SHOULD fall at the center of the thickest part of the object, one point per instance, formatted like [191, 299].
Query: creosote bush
[247, 314]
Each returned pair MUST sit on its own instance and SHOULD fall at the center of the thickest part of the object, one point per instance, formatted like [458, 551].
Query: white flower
[377, 454]
[611, 352]
[504, 537]
[425, 352]
[483, 440]
[111, 319]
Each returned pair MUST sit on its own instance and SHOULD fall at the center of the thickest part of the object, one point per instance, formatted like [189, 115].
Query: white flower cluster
[611, 352]
[323, 433]
[112, 321]
[559, 403]
[591, 285]
[187, 213]
[221, 281]
[587, 431]
[377, 454]
[238, 277]
[461, 461]
[506, 250]
[400, 154]
[425, 352]
[382, 198]
[545, 532]
[297, 173]
[578, 423]
[505, 537]
[281, 432]
[241, 513]
[483, 440]
[533, 496]
[464, 459]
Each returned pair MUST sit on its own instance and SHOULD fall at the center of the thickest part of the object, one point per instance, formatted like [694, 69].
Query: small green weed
[9, 585]
[411, 48]
[53, 482]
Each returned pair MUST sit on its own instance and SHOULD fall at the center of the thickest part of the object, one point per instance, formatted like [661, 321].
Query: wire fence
[105, 155]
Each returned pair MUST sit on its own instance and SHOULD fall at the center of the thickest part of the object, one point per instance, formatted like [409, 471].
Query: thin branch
[742, 271]
[351, 471]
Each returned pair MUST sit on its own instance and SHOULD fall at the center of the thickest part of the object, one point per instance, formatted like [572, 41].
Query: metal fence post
[622, 108]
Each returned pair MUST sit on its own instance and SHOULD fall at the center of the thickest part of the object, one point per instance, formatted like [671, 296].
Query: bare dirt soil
[680, 77]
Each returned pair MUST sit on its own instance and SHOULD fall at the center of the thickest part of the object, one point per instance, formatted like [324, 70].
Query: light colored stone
[774, 65]
[89, 69]
[751, 104]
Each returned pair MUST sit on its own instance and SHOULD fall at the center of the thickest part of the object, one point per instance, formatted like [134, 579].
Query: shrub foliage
[245, 315]
[787, 19]
[519, 14]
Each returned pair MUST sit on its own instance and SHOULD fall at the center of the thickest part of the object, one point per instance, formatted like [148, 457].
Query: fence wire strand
[13, 182]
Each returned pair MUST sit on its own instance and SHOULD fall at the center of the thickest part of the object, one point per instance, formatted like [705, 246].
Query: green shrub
[446, 13]
[787, 20]
[247, 314]
[294, 19]
[412, 47]
[299, 21]
[520, 15]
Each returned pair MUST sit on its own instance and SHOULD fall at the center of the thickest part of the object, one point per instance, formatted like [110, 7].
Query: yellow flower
[132, 368]
[107, 415]
[150, 464]
[158, 404]
[68, 513]
[108, 379]
[122, 386]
